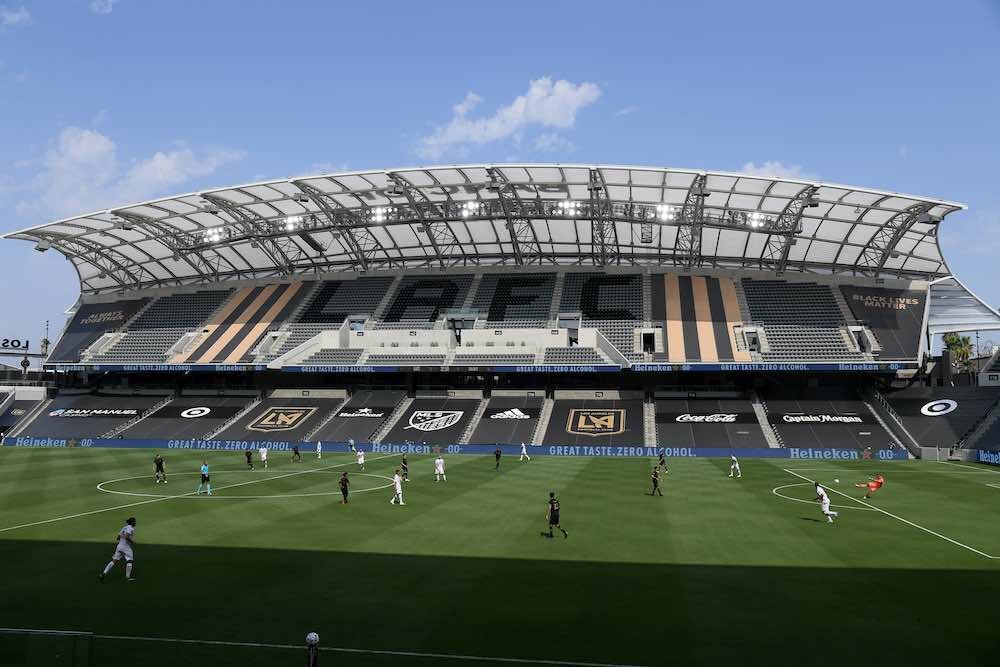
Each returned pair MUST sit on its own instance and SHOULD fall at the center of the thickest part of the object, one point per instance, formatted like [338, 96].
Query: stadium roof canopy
[479, 215]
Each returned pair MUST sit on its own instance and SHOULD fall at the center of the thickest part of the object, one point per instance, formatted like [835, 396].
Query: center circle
[776, 489]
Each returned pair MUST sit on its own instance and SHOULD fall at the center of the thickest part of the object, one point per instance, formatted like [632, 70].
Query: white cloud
[777, 170]
[551, 141]
[626, 111]
[81, 172]
[548, 103]
[19, 16]
[102, 6]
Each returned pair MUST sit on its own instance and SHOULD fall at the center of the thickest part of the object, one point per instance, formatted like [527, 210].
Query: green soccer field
[718, 570]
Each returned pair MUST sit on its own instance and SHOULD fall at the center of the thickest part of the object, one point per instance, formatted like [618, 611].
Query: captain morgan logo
[595, 422]
[280, 419]
[434, 420]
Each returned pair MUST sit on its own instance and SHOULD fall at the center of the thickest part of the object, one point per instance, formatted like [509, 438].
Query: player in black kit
[345, 486]
[249, 456]
[404, 469]
[656, 482]
[552, 514]
[158, 473]
[295, 454]
[497, 454]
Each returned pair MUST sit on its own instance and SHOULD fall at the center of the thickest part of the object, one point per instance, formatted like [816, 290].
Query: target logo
[939, 407]
[194, 413]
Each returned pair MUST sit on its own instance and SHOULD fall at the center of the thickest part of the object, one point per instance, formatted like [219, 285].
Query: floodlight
[292, 222]
[666, 212]
[470, 208]
[381, 213]
[756, 219]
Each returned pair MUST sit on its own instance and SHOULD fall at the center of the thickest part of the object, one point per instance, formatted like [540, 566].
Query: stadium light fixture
[666, 212]
[470, 208]
[755, 219]
[42, 246]
[292, 222]
[927, 218]
[380, 214]
[395, 190]
[810, 201]
[569, 208]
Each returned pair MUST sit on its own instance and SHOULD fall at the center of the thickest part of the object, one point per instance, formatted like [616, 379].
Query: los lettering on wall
[14, 344]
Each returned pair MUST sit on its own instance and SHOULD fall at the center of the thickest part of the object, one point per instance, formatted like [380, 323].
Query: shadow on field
[557, 610]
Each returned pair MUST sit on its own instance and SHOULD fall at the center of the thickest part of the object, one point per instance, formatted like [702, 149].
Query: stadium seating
[573, 355]
[75, 416]
[493, 359]
[515, 301]
[940, 417]
[90, 322]
[506, 419]
[333, 357]
[698, 316]
[151, 335]
[188, 417]
[595, 422]
[824, 419]
[895, 316]
[280, 420]
[405, 359]
[705, 422]
[13, 413]
[610, 303]
[420, 300]
[436, 421]
[360, 417]
[800, 321]
[330, 304]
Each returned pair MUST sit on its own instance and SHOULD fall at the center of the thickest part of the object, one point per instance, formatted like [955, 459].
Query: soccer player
[397, 487]
[439, 469]
[249, 454]
[497, 454]
[206, 481]
[524, 453]
[345, 486]
[404, 464]
[319, 449]
[158, 473]
[263, 455]
[873, 484]
[350, 444]
[552, 514]
[361, 458]
[734, 466]
[296, 456]
[655, 477]
[123, 549]
[824, 503]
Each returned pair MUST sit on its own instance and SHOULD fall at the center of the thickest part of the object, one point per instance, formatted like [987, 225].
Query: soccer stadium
[470, 344]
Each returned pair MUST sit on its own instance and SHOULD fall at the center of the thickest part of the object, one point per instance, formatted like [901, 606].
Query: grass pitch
[718, 570]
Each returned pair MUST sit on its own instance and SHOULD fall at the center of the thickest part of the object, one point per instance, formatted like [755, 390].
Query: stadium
[593, 317]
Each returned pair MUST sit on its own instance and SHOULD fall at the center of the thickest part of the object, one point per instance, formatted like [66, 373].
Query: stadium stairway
[390, 292]
[389, 423]
[235, 418]
[326, 420]
[274, 340]
[39, 408]
[649, 423]
[7, 399]
[474, 422]
[543, 421]
[983, 426]
[881, 422]
[759, 409]
[557, 291]
[121, 428]
[890, 419]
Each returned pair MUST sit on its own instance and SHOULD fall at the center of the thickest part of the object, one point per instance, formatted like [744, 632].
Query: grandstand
[564, 305]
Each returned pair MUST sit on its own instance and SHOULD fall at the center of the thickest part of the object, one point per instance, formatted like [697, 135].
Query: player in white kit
[263, 455]
[524, 452]
[319, 449]
[439, 469]
[824, 503]
[397, 487]
[734, 466]
[126, 539]
[361, 458]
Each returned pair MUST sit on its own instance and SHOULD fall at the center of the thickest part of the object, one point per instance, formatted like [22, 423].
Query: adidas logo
[510, 414]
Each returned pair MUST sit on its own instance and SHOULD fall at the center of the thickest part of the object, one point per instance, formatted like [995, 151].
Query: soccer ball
[836, 481]
[312, 639]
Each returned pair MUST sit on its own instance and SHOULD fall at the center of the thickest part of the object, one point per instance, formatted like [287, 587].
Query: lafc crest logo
[595, 422]
[280, 419]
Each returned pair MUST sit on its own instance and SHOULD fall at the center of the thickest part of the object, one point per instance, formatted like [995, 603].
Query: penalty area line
[160, 499]
[330, 649]
[899, 518]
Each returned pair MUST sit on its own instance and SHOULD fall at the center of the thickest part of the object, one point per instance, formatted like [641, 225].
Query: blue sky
[107, 102]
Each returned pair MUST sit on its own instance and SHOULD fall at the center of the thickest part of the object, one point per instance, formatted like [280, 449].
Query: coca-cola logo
[717, 418]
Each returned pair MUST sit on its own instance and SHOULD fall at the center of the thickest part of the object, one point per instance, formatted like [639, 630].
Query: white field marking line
[100, 487]
[995, 486]
[162, 498]
[810, 502]
[894, 471]
[899, 518]
[972, 469]
[332, 649]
